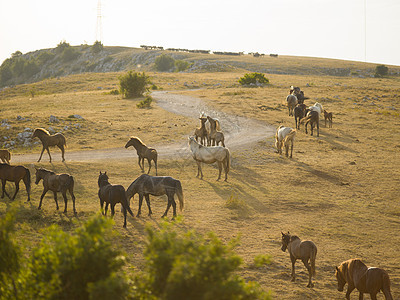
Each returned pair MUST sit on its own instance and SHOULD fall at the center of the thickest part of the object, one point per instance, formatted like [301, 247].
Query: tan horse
[209, 155]
[216, 136]
[284, 138]
[328, 116]
[49, 140]
[56, 183]
[304, 250]
[291, 102]
[143, 152]
[5, 156]
[202, 132]
[366, 280]
[15, 174]
[111, 195]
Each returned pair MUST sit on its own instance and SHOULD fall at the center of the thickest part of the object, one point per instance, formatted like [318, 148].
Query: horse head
[285, 241]
[38, 175]
[340, 278]
[102, 178]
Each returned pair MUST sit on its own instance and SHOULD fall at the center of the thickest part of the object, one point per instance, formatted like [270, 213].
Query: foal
[304, 250]
[328, 116]
[5, 156]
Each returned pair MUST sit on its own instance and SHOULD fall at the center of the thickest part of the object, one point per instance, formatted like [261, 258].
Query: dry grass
[339, 190]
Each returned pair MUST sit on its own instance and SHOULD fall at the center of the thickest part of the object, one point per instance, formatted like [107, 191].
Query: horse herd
[353, 272]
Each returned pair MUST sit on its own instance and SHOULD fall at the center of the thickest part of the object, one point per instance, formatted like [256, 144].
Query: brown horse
[143, 152]
[312, 117]
[15, 174]
[202, 132]
[291, 102]
[49, 140]
[366, 280]
[56, 183]
[304, 250]
[5, 156]
[299, 113]
[328, 116]
[216, 136]
[146, 185]
[112, 194]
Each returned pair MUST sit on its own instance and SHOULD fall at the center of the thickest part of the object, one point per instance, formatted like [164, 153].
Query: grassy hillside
[340, 190]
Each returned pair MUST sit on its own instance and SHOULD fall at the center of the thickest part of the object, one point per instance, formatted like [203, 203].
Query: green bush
[45, 57]
[253, 79]
[381, 70]
[187, 265]
[181, 65]
[97, 47]
[69, 54]
[145, 103]
[133, 84]
[62, 46]
[164, 63]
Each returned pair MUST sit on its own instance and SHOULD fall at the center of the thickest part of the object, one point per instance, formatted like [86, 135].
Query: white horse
[284, 138]
[318, 108]
[209, 155]
[291, 101]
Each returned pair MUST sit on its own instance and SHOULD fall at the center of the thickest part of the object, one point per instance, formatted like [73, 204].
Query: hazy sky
[341, 29]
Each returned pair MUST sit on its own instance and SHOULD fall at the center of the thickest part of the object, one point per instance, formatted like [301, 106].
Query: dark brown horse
[143, 152]
[366, 280]
[299, 113]
[146, 185]
[48, 140]
[312, 117]
[111, 195]
[15, 174]
[56, 183]
[304, 250]
[328, 116]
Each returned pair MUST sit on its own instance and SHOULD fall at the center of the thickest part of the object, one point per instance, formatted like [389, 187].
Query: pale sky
[341, 29]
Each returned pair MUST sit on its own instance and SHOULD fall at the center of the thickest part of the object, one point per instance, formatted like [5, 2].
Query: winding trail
[240, 132]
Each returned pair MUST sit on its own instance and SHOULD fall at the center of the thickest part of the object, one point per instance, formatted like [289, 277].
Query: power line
[99, 27]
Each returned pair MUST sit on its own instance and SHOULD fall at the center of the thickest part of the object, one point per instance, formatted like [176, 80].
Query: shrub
[253, 79]
[145, 103]
[262, 260]
[30, 68]
[164, 63]
[97, 47]
[133, 84]
[62, 46]
[190, 266]
[45, 57]
[181, 65]
[69, 54]
[381, 70]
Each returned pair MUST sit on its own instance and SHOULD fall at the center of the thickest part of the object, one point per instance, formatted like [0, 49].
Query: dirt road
[239, 132]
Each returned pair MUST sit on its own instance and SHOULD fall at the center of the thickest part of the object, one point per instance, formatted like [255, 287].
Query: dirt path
[240, 132]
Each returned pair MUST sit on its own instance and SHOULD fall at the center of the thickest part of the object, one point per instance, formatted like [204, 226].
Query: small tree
[61, 46]
[164, 63]
[381, 70]
[97, 47]
[133, 84]
[253, 79]
[69, 54]
[181, 65]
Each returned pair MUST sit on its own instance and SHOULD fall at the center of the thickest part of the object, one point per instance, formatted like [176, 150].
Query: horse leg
[16, 190]
[64, 194]
[373, 295]
[41, 198]
[155, 163]
[62, 152]
[139, 160]
[317, 127]
[350, 288]
[149, 161]
[293, 268]
[27, 185]
[124, 211]
[101, 205]
[41, 153]
[199, 171]
[219, 170]
[147, 197]
[168, 206]
[308, 267]
[112, 207]
[55, 199]
[48, 151]
[225, 165]
[173, 206]
[106, 208]
[140, 205]
[71, 192]
[3, 183]
[291, 149]
[306, 126]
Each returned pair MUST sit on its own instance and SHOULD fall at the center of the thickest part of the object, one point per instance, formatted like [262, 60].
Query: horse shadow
[321, 174]
[330, 138]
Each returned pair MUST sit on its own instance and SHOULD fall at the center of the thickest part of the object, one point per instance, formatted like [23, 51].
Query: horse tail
[312, 260]
[179, 193]
[125, 204]
[9, 155]
[27, 181]
[218, 125]
[386, 286]
[227, 160]
[70, 182]
[289, 136]
[305, 119]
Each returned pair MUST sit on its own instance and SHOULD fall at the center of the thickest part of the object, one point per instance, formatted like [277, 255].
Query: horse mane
[40, 129]
[47, 171]
[138, 139]
[294, 237]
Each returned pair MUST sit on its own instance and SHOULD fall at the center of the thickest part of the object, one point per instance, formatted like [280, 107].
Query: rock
[51, 130]
[54, 119]
[77, 117]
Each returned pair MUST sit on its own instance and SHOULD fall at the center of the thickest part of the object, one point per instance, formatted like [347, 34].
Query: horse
[56, 183]
[312, 117]
[216, 136]
[202, 132]
[146, 185]
[299, 113]
[298, 249]
[15, 174]
[291, 101]
[284, 138]
[49, 140]
[209, 155]
[143, 152]
[366, 280]
[112, 194]
[317, 107]
[5, 156]
[328, 116]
